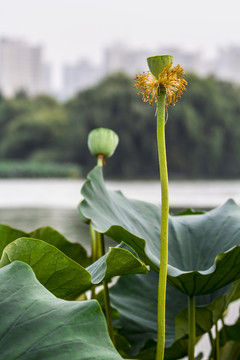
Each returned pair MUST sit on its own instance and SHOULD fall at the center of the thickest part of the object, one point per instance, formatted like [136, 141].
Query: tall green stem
[224, 334]
[108, 311]
[100, 160]
[93, 243]
[164, 224]
[100, 253]
[211, 339]
[94, 254]
[217, 345]
[191, 327]
[100, 242]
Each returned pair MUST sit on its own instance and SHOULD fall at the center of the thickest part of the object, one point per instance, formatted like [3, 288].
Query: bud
[156, 64]
[102, 141]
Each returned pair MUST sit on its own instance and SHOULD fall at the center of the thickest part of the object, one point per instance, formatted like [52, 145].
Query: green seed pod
[102, 141]
[156, 64]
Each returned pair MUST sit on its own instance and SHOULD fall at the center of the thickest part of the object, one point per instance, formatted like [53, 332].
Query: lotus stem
[101, 252]
[102, 143]
[163, 84]
[164, 224]
[94, 254]
[224, 334]
[217, 343]
[108, 311]
[93, 243]
[100, 160]
[100, 242]
[211, 338]
[191, 327]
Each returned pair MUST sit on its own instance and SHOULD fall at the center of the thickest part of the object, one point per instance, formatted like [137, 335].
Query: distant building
[119, 58]
[191, 61]
[79, 77]
[83, 74]
[22, 68]
[228, 64]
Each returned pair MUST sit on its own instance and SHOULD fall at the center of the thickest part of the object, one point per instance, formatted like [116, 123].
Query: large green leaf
[73, 250]
[37, 325]
[231, 350]
[229, 342]
[61, 275]
[118, 261]
[230, 332]
[135, 299]
[204, 251]
[8, 234]
[208, 315]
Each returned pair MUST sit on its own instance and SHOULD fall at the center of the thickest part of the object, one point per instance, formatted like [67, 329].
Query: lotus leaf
[135, 299]
[73, 250]
[61, 275]
[204, 251]
[37, 325]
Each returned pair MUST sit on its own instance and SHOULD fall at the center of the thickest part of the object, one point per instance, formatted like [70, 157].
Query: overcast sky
[75, 29]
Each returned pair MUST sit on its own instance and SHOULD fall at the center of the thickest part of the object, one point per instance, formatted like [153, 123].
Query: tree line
[202, 129]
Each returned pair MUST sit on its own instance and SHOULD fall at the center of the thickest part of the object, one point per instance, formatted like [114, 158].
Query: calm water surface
[28, 204]
[66, 193]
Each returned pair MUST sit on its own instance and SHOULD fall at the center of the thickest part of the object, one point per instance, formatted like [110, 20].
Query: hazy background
[67, 66]
[71, 30]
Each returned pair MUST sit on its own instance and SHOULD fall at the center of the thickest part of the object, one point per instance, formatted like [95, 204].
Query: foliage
[37, 169]
[135, 299]
[203, 259]
[196, 266]
[206, 121]
[63, 269]
[59, 273]
[29, 126]
[37, 325]
[44, 278]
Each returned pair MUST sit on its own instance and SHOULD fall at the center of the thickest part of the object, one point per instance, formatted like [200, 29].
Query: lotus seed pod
[156, 64]
[102, 141]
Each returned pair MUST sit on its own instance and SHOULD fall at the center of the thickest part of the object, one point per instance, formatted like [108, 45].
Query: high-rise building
[79, 76]
[228, 64]
[118, 58]
[22, 68]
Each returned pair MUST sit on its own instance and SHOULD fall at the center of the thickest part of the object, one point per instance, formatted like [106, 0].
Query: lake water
[28, 204]
[66, 193]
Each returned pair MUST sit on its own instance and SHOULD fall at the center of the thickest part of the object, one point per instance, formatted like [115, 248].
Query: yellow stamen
[170, 79]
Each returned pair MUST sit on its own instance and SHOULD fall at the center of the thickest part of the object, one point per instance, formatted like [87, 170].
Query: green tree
[203, 133]
[33, 132]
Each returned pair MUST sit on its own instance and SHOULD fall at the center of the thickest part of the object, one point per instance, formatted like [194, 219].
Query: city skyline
[81, 74]
[70, 30]
[23, 67]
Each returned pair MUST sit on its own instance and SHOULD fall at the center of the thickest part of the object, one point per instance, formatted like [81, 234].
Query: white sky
[74, 29]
